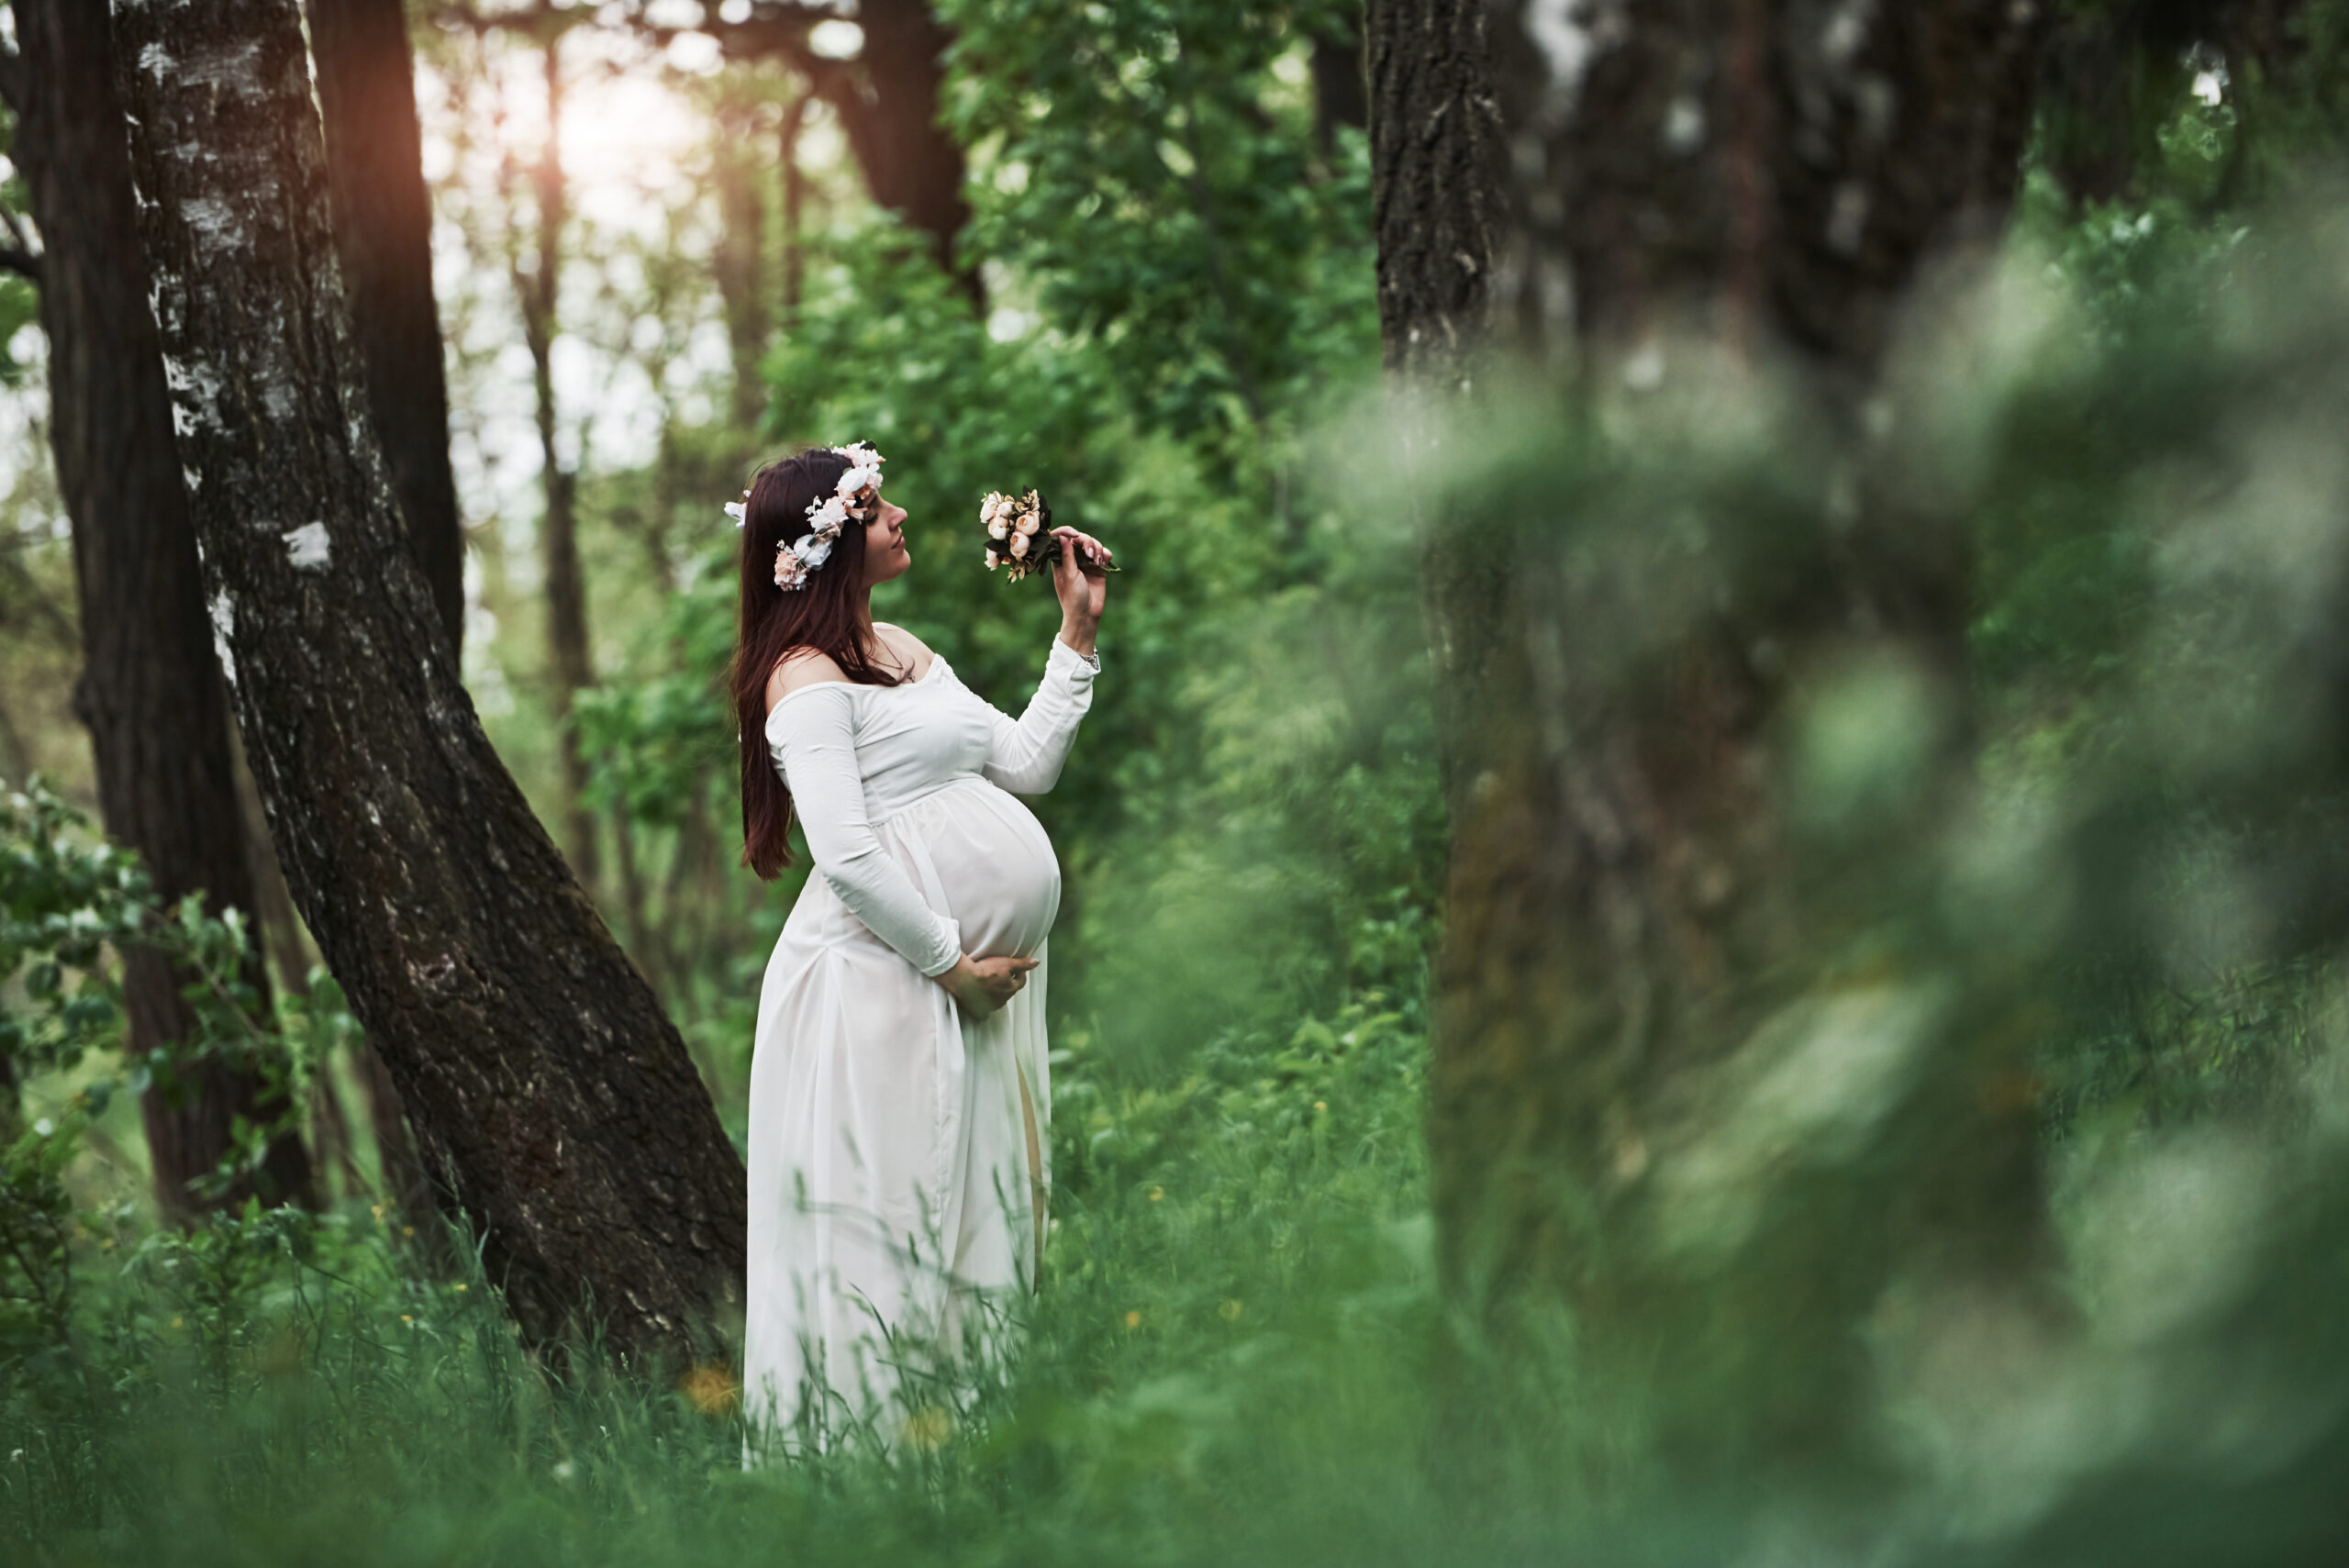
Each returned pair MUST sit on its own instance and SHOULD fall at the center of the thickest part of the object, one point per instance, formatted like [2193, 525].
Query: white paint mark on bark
[306, 547]
[236, 68]
[278, 398]
[1557, 29]
[1684, 125]
[154, 61]
[216, 223]
[223, 621]
[193, 480]
[1847, 33]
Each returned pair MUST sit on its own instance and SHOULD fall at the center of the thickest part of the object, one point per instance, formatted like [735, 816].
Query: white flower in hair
[853, 498]
[734, 510]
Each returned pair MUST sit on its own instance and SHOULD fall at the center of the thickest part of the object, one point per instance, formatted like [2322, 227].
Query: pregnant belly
[994, 865]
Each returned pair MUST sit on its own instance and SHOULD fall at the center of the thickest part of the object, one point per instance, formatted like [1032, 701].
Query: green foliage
[1147, 173]
[69, 903]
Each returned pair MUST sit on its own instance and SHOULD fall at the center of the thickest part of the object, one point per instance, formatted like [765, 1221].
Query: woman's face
[885, 555]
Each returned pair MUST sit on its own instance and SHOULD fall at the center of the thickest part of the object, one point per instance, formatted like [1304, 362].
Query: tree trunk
[911, 165]
[383, 220]
[795, 211]
[534, 1060]
[739, 268]
[158, 726]
[1652, 952]
[570, 665]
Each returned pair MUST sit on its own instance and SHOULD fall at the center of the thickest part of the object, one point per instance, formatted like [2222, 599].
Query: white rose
[996, 528]
[994, 560]
[1018, 545]
[1028, 523]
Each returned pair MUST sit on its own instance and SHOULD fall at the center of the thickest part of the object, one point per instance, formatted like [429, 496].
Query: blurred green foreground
[1240, 1353]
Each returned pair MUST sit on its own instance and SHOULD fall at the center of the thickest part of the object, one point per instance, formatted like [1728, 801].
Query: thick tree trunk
[911, 164]
[1708, 1070]
[158, 726]
[383, 217]
[570, 664]
[534, 1060]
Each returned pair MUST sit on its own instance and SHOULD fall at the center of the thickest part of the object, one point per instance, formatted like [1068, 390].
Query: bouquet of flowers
[1020, 533]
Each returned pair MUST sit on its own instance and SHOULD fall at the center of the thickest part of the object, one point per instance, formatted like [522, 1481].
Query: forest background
[1308, 1292]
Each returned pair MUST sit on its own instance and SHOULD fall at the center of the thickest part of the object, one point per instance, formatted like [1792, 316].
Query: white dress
[897, 1148]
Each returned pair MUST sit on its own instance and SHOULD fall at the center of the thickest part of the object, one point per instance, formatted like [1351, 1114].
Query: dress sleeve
[1027, 754]
[811, 735]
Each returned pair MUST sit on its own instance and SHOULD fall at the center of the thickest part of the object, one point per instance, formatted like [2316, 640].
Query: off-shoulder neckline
[937, 662]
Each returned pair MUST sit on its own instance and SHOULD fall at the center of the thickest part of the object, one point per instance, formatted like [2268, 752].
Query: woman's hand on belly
[982, 985]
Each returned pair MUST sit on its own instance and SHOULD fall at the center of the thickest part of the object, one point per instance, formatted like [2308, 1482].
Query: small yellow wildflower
[405, 1319]
[928, 1428]
[1320, 1105]
[709, 1388]
[377, 1210]
[408, 1229]
[1229, 1311]
[1157, 1192]
[460, 1284]
[1133, 1319]
[178, 1322]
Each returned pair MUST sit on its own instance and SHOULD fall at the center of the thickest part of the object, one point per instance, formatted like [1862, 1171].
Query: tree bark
[383, 218]
[570, 663]
[534, 1060]
[911, 164]
[795, 211]
[158, 726]
[739, 268]
[1647, 939]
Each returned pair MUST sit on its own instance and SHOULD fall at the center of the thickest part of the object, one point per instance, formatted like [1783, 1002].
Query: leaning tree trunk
[1708, 1070]
[533, 1057]
[383, 225]
[158, 724]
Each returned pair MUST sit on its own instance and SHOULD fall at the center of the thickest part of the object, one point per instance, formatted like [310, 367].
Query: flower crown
[857, 493]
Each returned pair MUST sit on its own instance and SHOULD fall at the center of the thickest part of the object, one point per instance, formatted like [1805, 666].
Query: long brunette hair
[821, 616]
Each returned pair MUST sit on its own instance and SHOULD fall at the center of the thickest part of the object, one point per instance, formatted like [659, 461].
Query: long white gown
[897, 1148]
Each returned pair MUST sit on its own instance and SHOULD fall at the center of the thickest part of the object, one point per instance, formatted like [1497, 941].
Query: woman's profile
[898, 1083]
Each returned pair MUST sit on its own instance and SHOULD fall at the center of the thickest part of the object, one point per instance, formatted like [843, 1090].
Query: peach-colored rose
[996, 528]
[1018, 545]
[1028, 523]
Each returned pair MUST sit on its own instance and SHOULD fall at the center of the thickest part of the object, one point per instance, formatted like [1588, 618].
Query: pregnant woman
[898, 1088]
